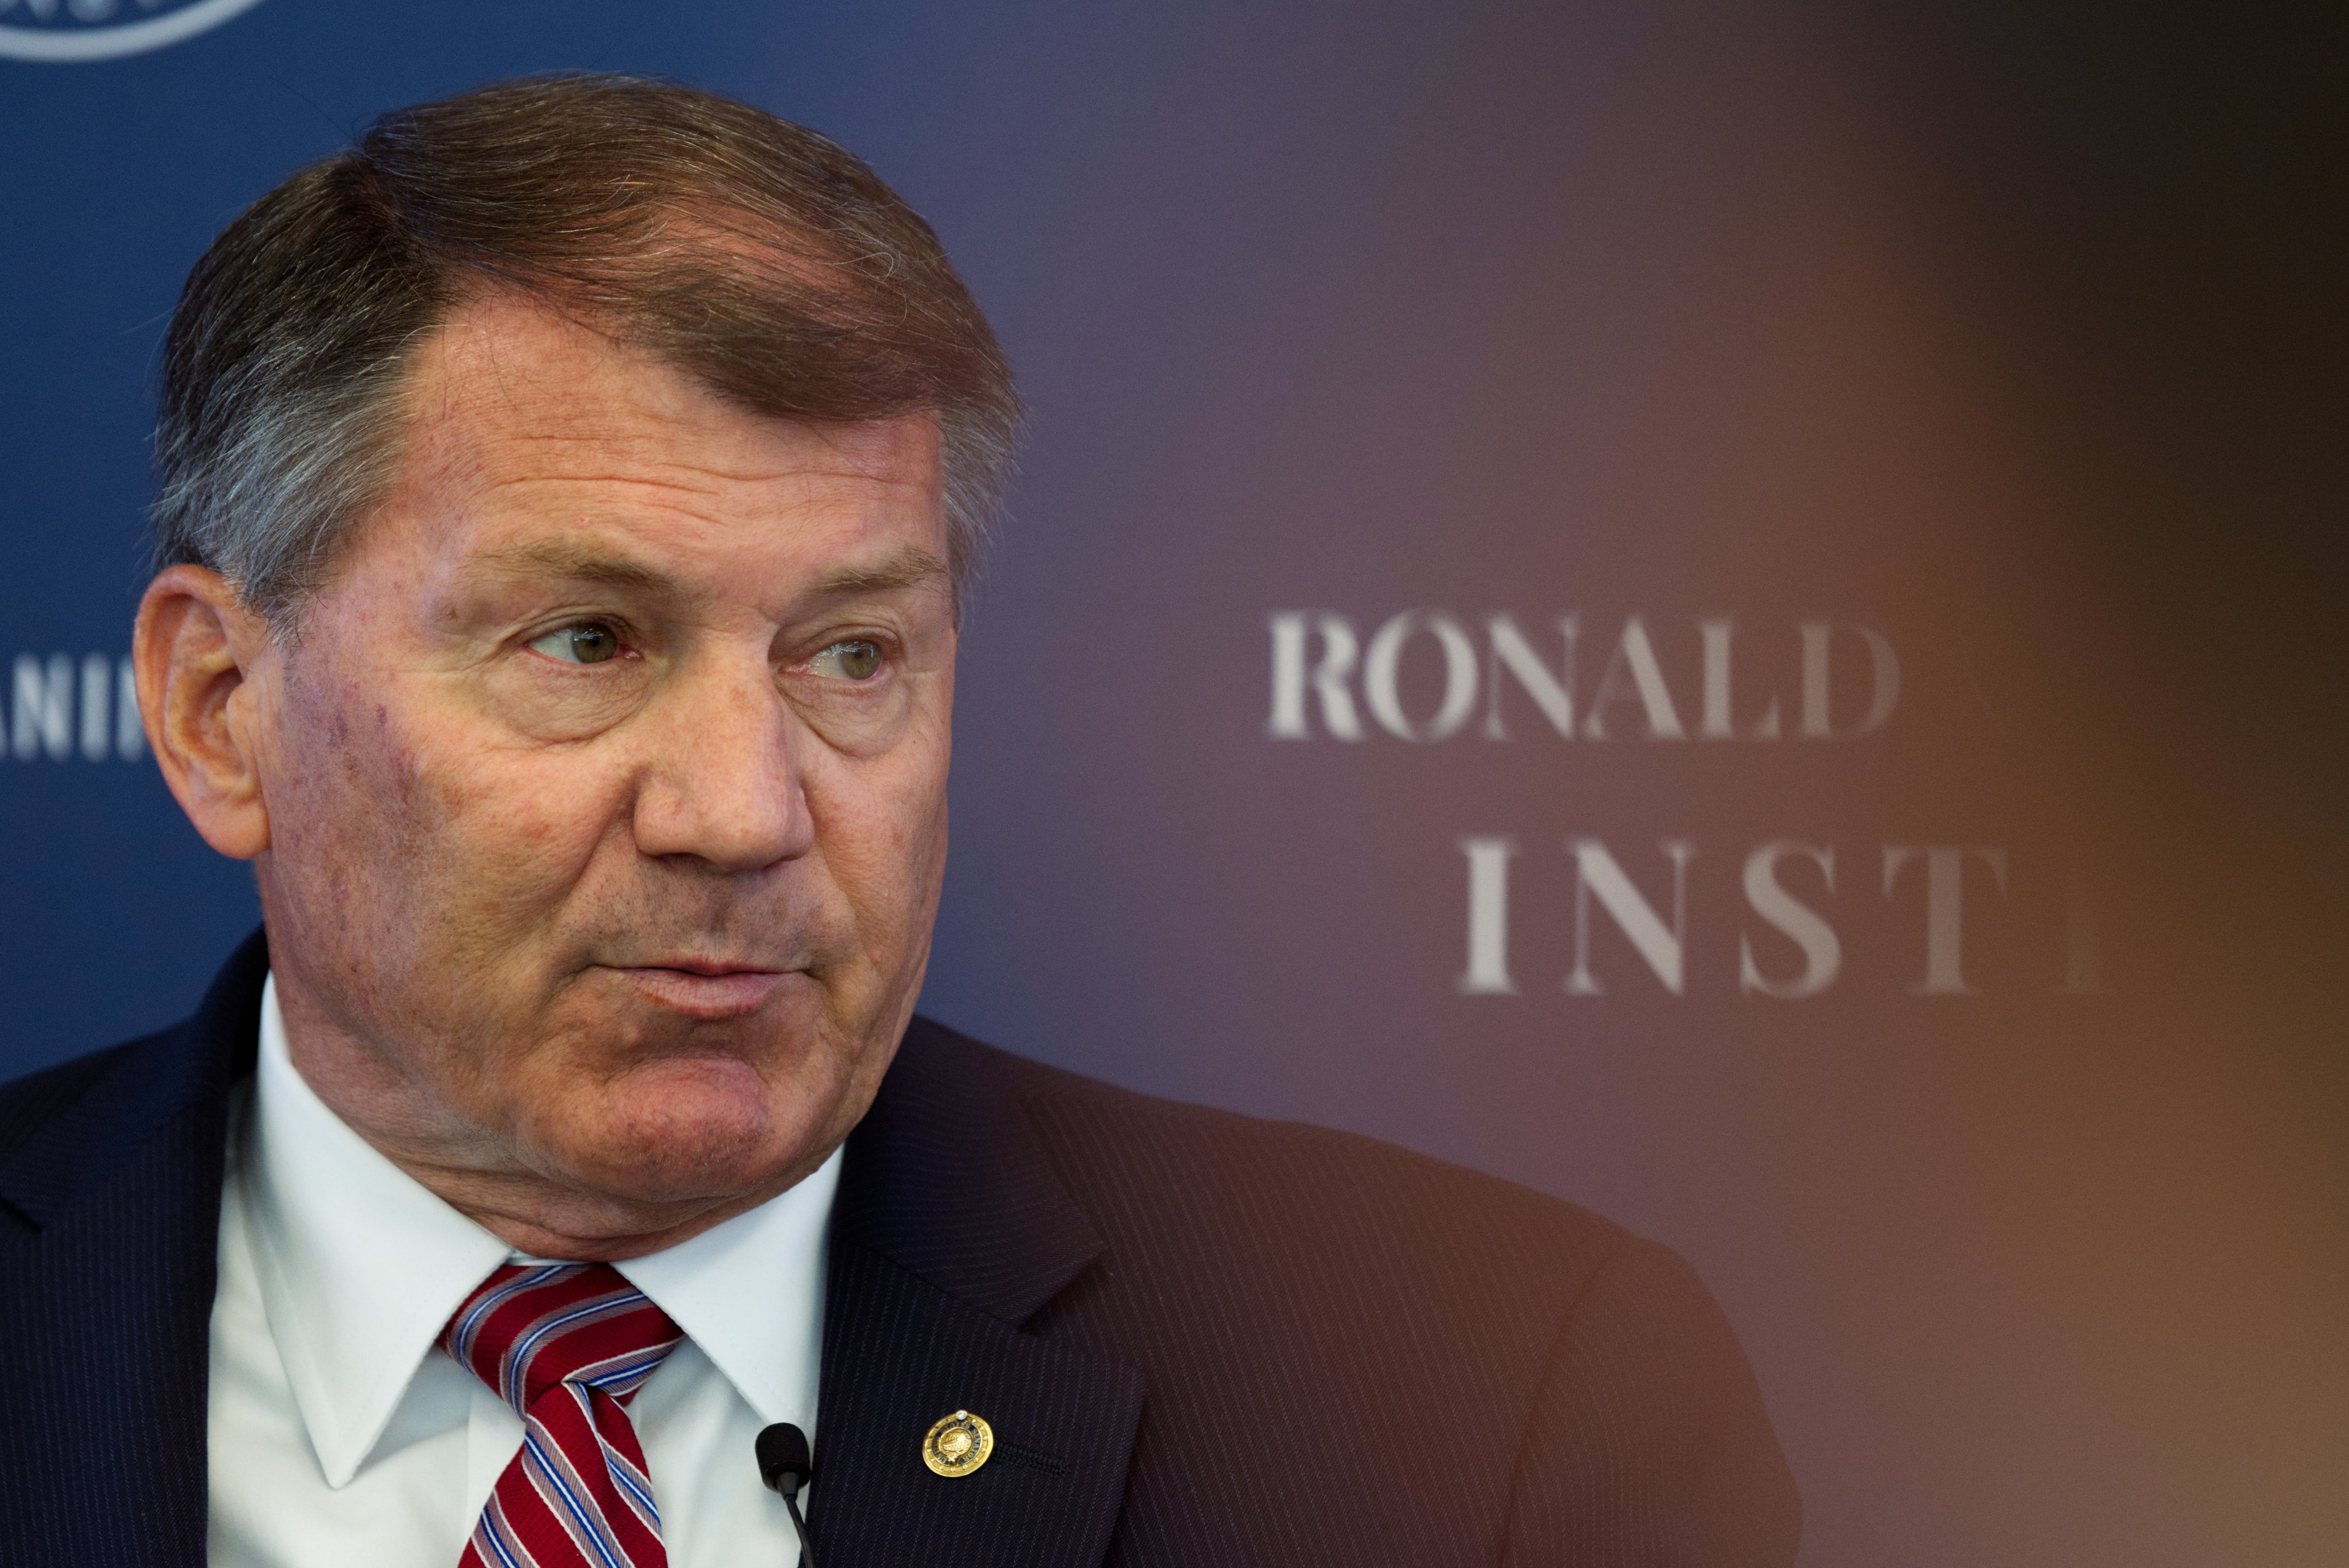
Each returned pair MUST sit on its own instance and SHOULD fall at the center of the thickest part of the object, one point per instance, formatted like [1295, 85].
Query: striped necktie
[567, 1345]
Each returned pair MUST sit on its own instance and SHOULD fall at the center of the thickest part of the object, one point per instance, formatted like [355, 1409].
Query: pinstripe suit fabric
[1200, 1338]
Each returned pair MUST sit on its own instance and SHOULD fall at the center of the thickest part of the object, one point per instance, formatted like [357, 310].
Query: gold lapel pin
[957, 1445]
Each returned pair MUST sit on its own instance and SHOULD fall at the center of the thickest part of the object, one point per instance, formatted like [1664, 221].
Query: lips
[700, 990]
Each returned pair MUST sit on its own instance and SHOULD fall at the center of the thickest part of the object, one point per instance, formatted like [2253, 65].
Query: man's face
[605, 778]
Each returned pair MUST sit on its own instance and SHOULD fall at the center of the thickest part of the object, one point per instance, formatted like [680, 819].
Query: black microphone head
[783, 1462]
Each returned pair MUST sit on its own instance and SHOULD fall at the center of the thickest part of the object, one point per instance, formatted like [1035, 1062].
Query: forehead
[517, 416]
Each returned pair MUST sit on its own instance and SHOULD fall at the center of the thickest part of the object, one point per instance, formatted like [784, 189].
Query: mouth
[700, 989]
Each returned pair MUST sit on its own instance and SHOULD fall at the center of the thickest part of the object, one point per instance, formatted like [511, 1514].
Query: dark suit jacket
[1200, 1339]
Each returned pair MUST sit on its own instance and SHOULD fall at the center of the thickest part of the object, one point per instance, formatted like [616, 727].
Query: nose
[720, 783]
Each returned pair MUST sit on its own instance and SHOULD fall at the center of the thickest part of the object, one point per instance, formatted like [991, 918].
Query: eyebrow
[582, 563]
[908, 566]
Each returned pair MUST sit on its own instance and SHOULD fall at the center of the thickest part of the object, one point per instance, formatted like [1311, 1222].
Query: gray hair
[754, 254]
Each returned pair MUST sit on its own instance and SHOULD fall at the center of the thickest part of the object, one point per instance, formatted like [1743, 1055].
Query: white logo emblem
[104, 29]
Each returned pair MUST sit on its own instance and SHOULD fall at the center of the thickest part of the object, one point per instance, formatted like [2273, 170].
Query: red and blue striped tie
[567, 1345]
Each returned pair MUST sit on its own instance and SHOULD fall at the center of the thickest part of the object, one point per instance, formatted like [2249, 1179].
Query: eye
[580, 643]
[854, 659]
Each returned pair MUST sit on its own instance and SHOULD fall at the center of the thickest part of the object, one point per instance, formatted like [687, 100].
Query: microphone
[785, 1466]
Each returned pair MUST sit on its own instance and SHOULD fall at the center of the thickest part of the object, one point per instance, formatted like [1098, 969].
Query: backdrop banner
[1611, 593]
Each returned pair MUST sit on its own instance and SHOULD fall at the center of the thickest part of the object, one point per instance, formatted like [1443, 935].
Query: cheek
[881, 829]
[343, 776]
[514, 834]
[415, 820]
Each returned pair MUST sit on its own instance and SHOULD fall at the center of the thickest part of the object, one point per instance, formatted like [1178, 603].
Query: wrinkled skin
[598, 801]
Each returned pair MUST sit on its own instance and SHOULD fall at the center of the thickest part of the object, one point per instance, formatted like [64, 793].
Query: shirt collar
[361, 1265]
[750, 1293]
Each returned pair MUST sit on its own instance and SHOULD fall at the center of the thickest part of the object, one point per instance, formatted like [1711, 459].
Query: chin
[682, 1142]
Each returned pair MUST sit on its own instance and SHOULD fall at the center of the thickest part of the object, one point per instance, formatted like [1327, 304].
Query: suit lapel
[106, 1276]
[950, 1232]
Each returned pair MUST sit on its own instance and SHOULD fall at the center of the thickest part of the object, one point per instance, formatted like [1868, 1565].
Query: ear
[194, 648]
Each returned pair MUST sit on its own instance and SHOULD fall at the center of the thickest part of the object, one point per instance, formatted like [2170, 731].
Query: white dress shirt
[340, 1435]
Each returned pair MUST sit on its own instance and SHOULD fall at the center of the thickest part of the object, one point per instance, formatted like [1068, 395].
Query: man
[566, 494]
